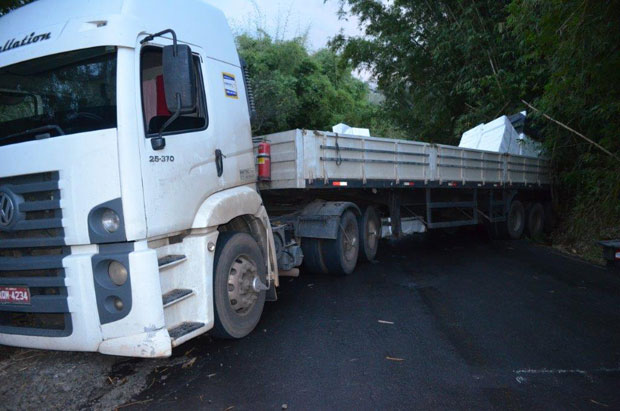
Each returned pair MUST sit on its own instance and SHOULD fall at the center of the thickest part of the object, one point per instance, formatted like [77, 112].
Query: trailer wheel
[535, 220]
[369, 227]
[515, 220]
[340, 255]
[238, 305]
[313, 258]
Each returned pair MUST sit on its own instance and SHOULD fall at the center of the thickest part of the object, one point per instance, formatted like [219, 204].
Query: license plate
[14, 295]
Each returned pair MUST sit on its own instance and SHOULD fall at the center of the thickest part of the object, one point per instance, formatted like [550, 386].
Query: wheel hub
[350, 242]
[242, 277]
[371, 233]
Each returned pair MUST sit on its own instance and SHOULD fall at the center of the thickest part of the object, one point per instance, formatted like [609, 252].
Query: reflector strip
[408, 183]
[339, 183]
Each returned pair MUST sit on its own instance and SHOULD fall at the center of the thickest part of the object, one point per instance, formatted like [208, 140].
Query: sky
[287, 19]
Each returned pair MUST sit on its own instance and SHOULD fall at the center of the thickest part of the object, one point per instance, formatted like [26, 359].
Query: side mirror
[179, 79]
[179, 82]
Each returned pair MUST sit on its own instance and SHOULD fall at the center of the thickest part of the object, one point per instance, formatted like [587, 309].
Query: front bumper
[139, 332]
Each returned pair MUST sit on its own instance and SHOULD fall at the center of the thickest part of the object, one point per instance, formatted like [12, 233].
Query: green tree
[444, 66]
[572, 46]
[297, 89]
[8, 5]
[447, 65]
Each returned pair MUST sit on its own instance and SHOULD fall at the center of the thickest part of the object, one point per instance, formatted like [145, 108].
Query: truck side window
[154, 100]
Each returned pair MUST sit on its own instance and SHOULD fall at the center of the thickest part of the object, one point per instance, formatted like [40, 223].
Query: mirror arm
[161, 33]
[159, 142]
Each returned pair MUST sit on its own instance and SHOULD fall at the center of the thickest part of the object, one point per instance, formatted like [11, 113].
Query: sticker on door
[230, 85]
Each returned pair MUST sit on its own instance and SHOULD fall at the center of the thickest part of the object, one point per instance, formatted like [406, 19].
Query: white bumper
[126, 337]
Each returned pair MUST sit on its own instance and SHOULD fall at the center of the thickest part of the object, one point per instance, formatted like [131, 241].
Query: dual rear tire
[357, 238]
[535, 220]
[337, 256]
[520, 220]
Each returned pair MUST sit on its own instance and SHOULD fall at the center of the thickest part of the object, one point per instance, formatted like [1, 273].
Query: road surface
[454, 322]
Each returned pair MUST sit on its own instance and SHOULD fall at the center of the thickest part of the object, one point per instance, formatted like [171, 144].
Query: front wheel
[237, 299]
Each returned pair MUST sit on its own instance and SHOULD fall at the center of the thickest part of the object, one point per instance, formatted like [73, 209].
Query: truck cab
[113, 193]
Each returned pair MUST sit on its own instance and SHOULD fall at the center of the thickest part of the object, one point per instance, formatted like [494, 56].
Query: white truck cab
[112, 201]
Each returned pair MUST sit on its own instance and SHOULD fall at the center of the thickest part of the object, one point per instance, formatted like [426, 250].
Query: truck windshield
[64, 93]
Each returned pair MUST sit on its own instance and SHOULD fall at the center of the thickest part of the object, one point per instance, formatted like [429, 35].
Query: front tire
[237, 305]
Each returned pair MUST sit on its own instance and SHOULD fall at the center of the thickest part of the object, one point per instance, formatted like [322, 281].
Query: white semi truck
[131, 216]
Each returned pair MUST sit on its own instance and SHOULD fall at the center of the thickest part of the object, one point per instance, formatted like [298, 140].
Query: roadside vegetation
[445, 66]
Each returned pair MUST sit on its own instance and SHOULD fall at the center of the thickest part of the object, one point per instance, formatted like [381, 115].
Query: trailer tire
[313, 257]
[370, 233]
[238, 307]
[340, 255]
[515, 220]
[535, 220]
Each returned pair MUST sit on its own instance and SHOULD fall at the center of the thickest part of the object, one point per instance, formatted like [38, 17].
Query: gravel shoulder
[37, 379]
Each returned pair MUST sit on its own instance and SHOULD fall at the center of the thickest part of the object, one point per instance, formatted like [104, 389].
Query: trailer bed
[302, 159]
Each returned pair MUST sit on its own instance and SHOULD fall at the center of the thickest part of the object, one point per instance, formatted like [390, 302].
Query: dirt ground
[38, 380]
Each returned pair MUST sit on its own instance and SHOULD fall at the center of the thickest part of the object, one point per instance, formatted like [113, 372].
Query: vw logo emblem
[7, 209]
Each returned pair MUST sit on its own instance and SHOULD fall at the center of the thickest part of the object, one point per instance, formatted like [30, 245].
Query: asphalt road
[452, 322]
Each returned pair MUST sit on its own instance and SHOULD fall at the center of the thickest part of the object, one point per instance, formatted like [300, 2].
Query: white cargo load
[342, 128]
[499, 136]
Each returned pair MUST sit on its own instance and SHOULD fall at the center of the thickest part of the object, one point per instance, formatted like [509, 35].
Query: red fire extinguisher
[264, 161]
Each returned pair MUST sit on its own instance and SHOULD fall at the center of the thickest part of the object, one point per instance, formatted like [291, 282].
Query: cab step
[170, 261]
[175, 296]
[178, 332]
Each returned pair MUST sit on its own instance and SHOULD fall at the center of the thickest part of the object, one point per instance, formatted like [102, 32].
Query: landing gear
[239, 281]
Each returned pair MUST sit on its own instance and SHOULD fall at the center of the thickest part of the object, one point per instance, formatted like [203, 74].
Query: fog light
[118, 273]
[110, 221]
[118, 304]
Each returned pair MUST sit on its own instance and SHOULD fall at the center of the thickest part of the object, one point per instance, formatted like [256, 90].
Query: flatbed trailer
[409, 186]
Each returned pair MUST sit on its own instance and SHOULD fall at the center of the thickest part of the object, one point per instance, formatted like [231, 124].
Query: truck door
[179, 177]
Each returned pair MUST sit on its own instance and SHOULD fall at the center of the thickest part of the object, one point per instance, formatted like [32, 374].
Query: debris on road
[385, 322]
[394, 359]
[189, 363]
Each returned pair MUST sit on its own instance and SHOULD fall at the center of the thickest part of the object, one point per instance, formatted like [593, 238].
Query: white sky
[286, 19]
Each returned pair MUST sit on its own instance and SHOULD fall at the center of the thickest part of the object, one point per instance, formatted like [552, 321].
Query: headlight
[117, 272]
[110, 221]
[118, 304]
